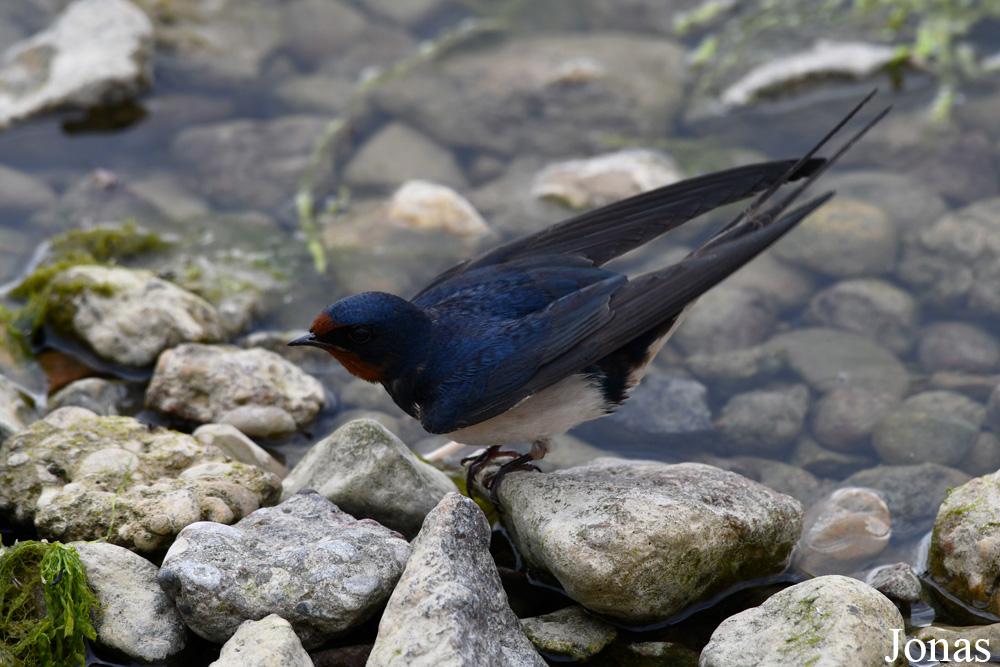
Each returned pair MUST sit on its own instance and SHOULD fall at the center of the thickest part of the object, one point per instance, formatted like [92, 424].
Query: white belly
[550, 412]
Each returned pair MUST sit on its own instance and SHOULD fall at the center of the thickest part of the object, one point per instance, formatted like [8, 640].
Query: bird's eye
[361, 335]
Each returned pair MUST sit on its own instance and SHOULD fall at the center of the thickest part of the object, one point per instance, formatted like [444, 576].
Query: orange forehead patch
[358, 368]
[323, 325]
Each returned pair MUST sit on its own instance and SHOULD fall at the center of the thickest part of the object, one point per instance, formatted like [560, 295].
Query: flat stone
[570, 633]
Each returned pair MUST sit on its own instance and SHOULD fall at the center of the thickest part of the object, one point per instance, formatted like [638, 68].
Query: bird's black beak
[308, 339]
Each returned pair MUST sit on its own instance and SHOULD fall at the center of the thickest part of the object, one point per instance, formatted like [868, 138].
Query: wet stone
[984, 456]
[368, 472]
[992, 418]
[264, 643]
[737, 370]
[958, 346]
[844, 418]
[19, 190]
[906, 201]
[870, 307]
[843, 532]
[913, 435]
[136, 617]
[611, 533]
[764, 421]
[815, 623]
[425, 205]
[726, 318]
[828, 463]
[98, 395]
[398, 153]
[784, 478]
[430, 618]
[965, 644]
[307, 561]
[77, 476]
[570, 633]
[204, 383]
[897, 582]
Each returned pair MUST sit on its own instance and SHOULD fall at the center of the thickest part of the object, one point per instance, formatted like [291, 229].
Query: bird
[525, 341]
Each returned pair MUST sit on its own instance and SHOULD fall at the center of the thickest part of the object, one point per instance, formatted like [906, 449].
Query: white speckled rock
[136, 617]
[824, 622]
[307, 561]
[425, 205]
[269, 642]
[449, 607]
[368, 472]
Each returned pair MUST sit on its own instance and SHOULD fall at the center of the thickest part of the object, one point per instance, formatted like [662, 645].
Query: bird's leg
[477, 462]
[539, 448]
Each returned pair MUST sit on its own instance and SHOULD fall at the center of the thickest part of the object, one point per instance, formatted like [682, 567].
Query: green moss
[46, 605]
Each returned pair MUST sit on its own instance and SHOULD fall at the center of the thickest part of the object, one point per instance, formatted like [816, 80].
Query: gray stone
[18, 190]
[202, 383]
[398, 153]
[307, 561]
[663, 409]
[984, 457]
[843, 532]
[136, 617]
[607, 178]
[870, 307]
[738, 370]
[235, 444]
[993, 410]
[265, 643]
[845, 417]
[316, 29]
[912, 493]
[569, 633]
[726, 318]
[77, 476]
[128, 316]
[827, 358]
[818, 623]
[427, 206]
[764, 421]
[941, 401]
[167, 193]
[405, 13]
[15, 411]
[909, 204]
[783, 477]
[368, 472]
[449, 607]
[528, 94]
[260, 421]
[958, 346]
[100, 396]
[96, 53]
[612, 533]
[828, 463]
[955, 263]
[963, 642]
[783, 285]
[966, 539]
[912, 435]
[844, 239]
[897, 582]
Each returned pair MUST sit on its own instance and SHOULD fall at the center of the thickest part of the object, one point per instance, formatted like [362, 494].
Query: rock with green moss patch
[223, 383]
[366, 470]
[127, 316]
[570, 633]
[824, 622]
[642, 541]
[965, 546]
[77, 476]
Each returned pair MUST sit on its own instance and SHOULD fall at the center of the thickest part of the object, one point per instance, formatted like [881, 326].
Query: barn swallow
[529, 339]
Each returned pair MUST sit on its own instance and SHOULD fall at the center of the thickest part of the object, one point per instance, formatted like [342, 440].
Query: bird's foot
[478, 462]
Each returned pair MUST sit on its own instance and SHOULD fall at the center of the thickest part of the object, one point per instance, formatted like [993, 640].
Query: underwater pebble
[871, 307]
[845, 417]
[764, 421]
[897, 582]
[843, 531]
[958, 346]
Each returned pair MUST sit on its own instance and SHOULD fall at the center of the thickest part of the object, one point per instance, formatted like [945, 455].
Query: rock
[167, 193]
[319, 93]
[784, 478]
[100, 396]
[738, 370]
[897, 582]
[844, 239]
[909, 204]
[984, 456]
[269, 155]
[528, 94]
[958, 166]
[317, 28]
[783, 285]
[406, 14]
[20, 191]
[77, 476]
[992, 418]
[269, 641]
[204, 383]
[665, 410]
[816, 623]
[15, 412]
[826, 59]
[827, 358]
[845, 417]
[570, 633]
[135, 618]
[398, 153]
[912, 493]
[449, 607]
[965, 542]
[428, 206]
[307, 561]
[600, 180]
[237, 446]
[127, 316]
[958, 346]
[947, 403]
[828, 463]
[764, 421]
[613, 533]
[726, 318]
[955, 263]
[965, 644]
[870, 307]
[96, 53]
[368, 472]
[911, 435]
[843, 532]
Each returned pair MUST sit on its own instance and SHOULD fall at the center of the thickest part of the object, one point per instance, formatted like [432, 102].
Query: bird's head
[376, 336]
